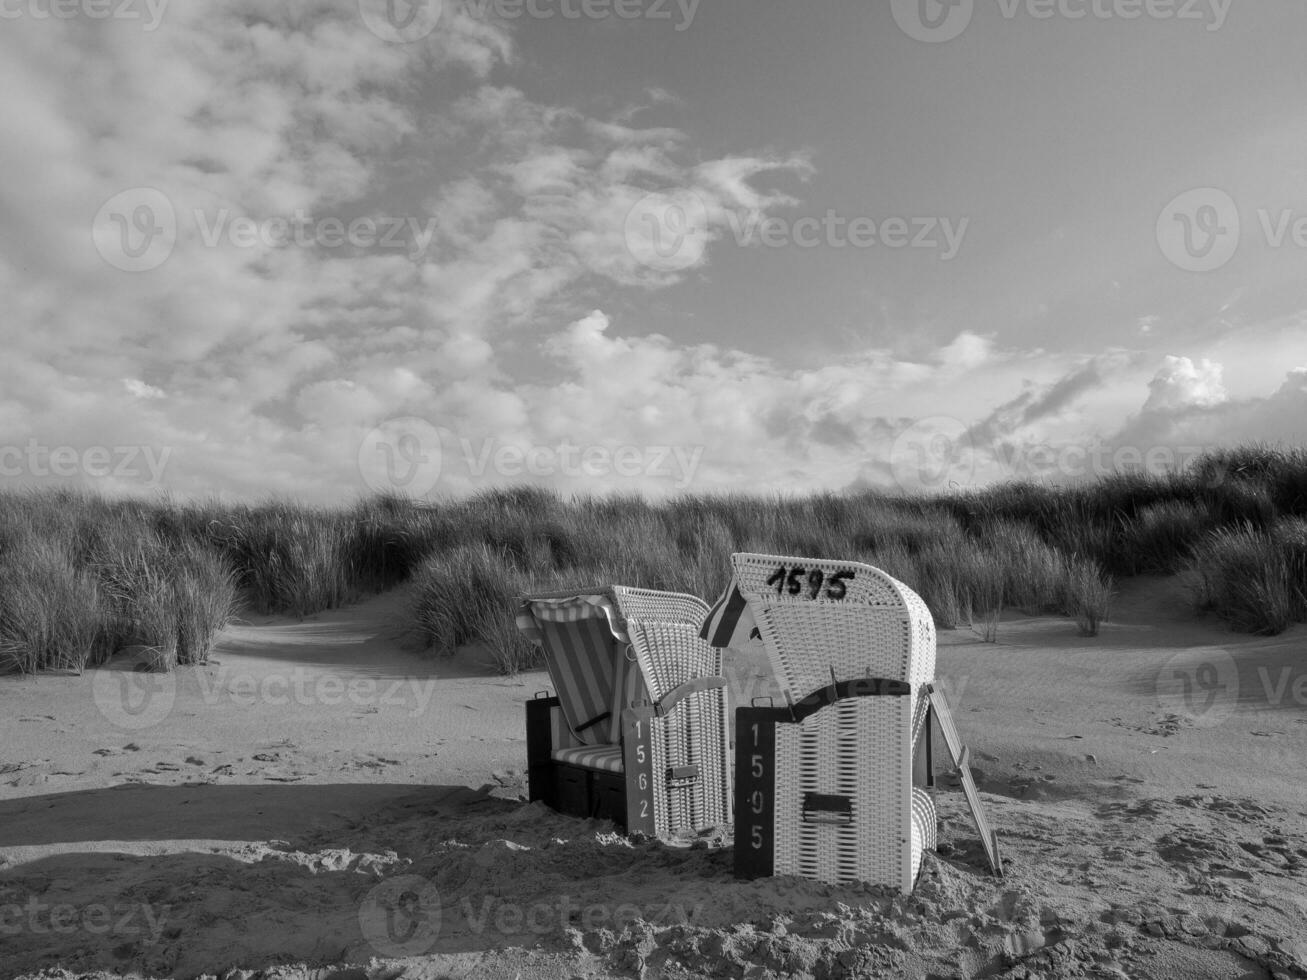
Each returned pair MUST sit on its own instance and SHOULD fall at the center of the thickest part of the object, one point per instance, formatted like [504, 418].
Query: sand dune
[321, 801]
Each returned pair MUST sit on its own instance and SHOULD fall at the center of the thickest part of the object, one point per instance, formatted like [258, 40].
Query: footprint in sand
[1240, 809]
[1166, 726]
[373, 762]
[284, 776]
[8, 767]
[26, 773]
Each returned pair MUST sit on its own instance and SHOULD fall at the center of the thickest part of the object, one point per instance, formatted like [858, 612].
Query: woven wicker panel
[694, 796]
[690, 734]
[671, 654]
[920, 716]
[679, 738]
[859, 749]
[669, 623]
[710, 751]
[723, 731]
[880, 628]
[659, 607]
[925, 827]
[664, 814]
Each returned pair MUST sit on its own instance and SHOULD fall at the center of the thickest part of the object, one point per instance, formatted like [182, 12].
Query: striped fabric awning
[730, 623]
[535, 611]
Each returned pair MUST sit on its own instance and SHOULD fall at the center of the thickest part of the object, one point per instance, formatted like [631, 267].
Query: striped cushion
[607, 758]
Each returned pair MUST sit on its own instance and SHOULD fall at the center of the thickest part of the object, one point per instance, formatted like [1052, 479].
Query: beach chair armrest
[822, 697]
[682, 691]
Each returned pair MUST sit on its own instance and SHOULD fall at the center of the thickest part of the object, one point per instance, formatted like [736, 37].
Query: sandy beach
[275, 812]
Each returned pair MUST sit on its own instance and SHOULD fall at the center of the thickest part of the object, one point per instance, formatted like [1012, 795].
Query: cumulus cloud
[1188, 410]
[1181, 384]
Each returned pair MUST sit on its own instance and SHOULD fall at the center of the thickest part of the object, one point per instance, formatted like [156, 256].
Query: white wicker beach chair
[831, 785]
[638, 730]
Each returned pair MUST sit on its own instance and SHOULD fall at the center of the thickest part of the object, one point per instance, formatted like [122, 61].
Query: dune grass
[1253, 577]
[83, 577]
[50, 609]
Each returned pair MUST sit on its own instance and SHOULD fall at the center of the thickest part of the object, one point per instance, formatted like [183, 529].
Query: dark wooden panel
[637, 762]
[755, 792]
[541, 777]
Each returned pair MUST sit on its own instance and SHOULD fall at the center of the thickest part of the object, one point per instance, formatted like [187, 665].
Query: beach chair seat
[832, 783]
[606, 758]
[637, 730]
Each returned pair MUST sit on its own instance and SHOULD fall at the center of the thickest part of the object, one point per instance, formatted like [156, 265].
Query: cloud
[1181, 384]
[273, 356]
[259, 365]
[1188, 409]
[966, 351]
[141, 390]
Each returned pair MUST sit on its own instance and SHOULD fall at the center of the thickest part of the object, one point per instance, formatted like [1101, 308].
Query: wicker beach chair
[638, 729]
[832, 784]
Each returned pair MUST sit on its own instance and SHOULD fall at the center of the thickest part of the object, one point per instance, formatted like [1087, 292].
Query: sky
[322, 250]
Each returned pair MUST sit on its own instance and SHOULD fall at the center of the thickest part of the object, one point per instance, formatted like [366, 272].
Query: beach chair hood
[823, 621]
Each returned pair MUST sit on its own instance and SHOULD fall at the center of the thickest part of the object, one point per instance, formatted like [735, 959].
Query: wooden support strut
[961, 756]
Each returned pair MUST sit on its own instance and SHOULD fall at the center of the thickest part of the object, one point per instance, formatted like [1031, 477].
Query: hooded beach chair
[638, 730]
[833, 783]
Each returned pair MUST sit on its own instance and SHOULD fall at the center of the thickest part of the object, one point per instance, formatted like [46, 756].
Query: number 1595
[797, 579]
